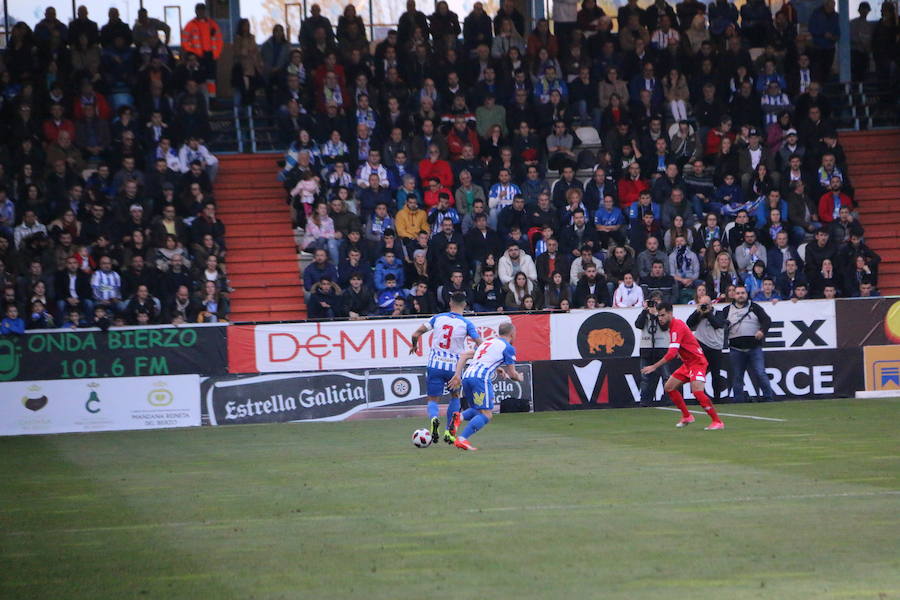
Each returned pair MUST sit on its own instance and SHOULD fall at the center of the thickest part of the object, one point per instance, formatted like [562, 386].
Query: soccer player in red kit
[683, 344]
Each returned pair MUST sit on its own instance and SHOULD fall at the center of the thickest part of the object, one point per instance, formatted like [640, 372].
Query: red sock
[678, 400]
[707, 404]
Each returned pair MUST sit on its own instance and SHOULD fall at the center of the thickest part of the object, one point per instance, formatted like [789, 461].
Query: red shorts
[691, 372]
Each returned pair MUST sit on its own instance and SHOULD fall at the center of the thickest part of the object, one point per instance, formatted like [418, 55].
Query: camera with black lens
[651, 303]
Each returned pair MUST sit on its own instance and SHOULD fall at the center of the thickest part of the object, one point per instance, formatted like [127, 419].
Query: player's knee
[487, 414]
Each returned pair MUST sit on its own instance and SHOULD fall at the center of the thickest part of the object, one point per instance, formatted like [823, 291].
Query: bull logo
[605, 334]
[606, 338]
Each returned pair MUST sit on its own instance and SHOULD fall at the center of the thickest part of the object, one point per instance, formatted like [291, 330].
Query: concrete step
[260, 268]
[263, 316]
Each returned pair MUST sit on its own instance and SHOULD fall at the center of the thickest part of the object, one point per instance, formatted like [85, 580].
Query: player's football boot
[455, 420]
[463, 444]
[449, 437]
[435, 425]
[714, 426]
[685, 421]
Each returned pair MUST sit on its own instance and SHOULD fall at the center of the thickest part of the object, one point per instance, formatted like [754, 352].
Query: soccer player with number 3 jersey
[683, 344]
[447, 343]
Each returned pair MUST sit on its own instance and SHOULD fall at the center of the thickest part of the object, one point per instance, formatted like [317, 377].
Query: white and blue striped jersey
[488, 357]
[448, 340]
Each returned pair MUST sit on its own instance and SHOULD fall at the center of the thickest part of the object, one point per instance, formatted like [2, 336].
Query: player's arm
[456, 380]
[509, 365]
[414, 340]
[510, 372]
[674, 345]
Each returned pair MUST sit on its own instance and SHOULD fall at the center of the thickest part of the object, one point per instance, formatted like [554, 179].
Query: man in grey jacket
[747, 324]
[709, 327]
[646, 258]
[653, 346]
[684, 265]
[746, 255]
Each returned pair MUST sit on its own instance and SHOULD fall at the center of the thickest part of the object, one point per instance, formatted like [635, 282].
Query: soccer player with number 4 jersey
[447, 342]
[683, 344]
[495, 355]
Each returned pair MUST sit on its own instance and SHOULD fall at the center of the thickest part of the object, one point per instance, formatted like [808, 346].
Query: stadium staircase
[262, 253]
[873, 160]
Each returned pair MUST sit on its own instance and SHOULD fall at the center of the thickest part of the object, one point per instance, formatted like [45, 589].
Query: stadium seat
[801, 250]
[589, 137]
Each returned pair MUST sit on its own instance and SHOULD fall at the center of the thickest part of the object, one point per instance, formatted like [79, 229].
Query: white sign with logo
[106, 404]
[605, 333]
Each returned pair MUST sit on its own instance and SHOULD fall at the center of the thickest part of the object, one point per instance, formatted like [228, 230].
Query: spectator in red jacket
[56, 123]
[715, 135]
[831, 201]
[459, 136]
[433, 193]
[434, 166]
[89, 96]
[631, 186]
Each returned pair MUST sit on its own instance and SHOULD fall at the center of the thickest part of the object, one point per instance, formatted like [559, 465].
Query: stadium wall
[134, 378]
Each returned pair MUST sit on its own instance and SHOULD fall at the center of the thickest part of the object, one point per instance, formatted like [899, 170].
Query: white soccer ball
[421, 438]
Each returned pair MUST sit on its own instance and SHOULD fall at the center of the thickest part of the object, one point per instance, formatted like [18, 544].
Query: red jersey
[683, 343]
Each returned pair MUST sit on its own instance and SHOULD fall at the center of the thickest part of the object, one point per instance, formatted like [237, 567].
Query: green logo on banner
[9, 360]
[92, 403]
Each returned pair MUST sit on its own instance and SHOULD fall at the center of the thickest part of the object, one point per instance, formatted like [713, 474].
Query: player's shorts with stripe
[479, 392]
[696, 371]
[436, 381]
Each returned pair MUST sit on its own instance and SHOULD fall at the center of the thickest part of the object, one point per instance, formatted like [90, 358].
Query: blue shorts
[478, 392]
[436, 381]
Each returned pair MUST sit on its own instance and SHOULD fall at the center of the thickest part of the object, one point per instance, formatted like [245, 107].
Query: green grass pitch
[611, 504]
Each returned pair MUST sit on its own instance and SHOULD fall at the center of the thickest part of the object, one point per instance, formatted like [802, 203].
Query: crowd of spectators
[572, 165]
[689, 151]
[107, 210]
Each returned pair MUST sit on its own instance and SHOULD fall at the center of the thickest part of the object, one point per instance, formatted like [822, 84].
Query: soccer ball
[421, 438]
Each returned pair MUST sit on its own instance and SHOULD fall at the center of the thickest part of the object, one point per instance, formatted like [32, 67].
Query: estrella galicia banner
[615, 382]
[328, 396]
[118, 352]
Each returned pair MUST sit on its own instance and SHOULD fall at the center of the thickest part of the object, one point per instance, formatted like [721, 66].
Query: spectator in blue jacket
[825, 29]
[324, 301]
[386, 266]
[610, 223]
[644, 204]
[318, 269]
[730, 196]
[12, 324]
[767, 293]
[378, 222]
[386, 296]
[354, 264]
[722, 15]
[791, 278]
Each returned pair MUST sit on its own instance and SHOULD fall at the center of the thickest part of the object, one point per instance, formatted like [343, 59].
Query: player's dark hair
[666, 306]
[457, 298]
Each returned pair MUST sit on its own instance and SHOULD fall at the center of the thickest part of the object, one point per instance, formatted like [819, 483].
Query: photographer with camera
[746, 326]
[654, 345]
[709, 329]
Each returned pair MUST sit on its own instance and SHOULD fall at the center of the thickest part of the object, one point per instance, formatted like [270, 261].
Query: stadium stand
[119, 192]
